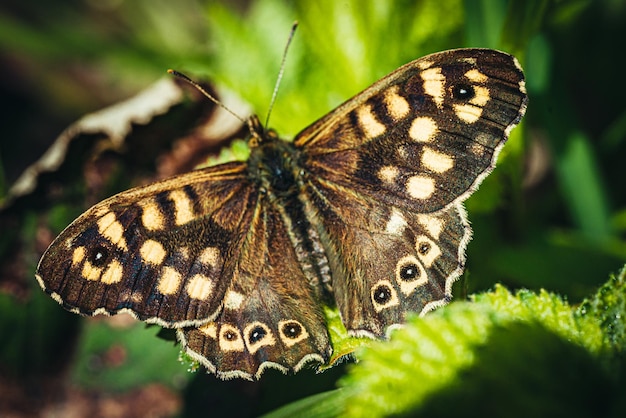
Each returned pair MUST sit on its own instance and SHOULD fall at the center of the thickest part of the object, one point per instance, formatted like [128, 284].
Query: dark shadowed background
[552, 215]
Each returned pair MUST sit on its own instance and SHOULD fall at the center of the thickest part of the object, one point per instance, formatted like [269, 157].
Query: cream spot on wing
[78, 255]
[199, 287]
[397, 106]
[434, 84]
[170, 281]
[136, 298]
[481, 96]
[423, 129]
[396, 223]
[91, 272]
[257, 335]
[152, 217]
[210, 256]
[476, 149]
[420, 187]
[436, 161]
[383, 295]
[210, 330]
[114, 273]
[233, 300]
[291, 332]
[427, 250]
[388, 173]
[432, 224]
[133, 297]
[368, 122]
[424, 64]
[184, 252]
[152, 252]
[468, 113]
[111, 229]
[482, 143]
[410, 274]
[183, 207]
[230, 339]
[476, 76]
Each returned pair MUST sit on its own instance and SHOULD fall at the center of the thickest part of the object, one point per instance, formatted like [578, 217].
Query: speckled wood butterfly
[362, 211]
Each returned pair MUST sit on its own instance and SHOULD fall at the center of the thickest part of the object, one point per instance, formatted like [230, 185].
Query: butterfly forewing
[424, 136]
[159, 252]
[363, 211]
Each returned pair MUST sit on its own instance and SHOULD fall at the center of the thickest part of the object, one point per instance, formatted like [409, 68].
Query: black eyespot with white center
[382, 294]
[291, 330]
[230, 335]
[257, 334]
[98, 256]
[424, 248]
[409, 272]
[463, 92]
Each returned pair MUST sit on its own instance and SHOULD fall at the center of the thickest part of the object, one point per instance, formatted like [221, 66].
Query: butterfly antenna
[280, 72]
[205, 93]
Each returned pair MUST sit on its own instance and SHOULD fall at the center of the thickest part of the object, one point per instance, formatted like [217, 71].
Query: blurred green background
[551, 216]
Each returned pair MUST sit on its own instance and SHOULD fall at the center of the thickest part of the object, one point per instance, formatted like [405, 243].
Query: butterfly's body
[274, 168]
[363, 210]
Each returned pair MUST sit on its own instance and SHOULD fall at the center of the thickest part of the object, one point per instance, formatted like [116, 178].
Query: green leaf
[517, 344]
[124, 357]
[608, 308]
[325, 404]
[329, 60]
[583, 186]
[343, 345]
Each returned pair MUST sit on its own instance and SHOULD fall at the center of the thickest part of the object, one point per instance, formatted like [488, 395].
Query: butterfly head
[273, 164]
[259, 135]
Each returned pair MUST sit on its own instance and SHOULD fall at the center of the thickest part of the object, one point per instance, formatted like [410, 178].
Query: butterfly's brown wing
[388, 170]
[157, 251]
[388, 261]
[194, 251]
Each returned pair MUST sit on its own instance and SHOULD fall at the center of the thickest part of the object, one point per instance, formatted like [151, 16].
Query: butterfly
[361, 211]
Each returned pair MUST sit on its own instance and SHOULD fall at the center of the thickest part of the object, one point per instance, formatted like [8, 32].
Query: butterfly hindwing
[390, 259]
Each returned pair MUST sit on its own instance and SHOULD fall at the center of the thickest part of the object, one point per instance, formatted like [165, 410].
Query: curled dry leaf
[165, 129]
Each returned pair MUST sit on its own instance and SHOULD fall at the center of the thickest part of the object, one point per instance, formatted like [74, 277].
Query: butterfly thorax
[273, 164]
